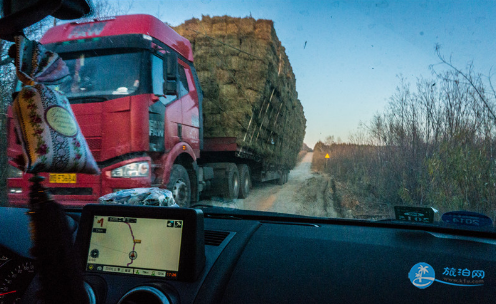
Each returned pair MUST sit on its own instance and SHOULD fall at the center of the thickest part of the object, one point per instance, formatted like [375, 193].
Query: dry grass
[351, 200]
[249, 85]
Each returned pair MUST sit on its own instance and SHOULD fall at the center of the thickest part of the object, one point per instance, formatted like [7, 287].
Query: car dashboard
[253, 257]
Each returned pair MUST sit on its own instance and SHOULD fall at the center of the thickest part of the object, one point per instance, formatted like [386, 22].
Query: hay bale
[252, 96]
[247, 26]
[222, 76]
[248, 84]
[264, 29]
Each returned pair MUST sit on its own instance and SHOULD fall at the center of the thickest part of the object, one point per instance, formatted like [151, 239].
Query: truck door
[165, 114]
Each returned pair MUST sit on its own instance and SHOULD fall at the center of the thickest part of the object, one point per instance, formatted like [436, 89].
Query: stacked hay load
[249, 86]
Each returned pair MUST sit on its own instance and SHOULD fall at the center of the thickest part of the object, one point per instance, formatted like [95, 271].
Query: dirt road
[305, 193]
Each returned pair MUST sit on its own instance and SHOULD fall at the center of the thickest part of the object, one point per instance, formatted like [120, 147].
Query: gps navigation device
[159, 242]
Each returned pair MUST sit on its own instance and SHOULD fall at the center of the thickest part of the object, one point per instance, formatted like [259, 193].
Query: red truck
[137, 98]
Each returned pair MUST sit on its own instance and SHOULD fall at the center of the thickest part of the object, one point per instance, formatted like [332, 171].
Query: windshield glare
[369, 110]
[101, 74]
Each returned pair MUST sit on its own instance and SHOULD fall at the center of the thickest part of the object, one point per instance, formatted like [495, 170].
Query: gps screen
[138, 246]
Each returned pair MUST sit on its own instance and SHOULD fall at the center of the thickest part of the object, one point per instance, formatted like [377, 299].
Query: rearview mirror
[19, 14]
[170, 68]
[170, 74]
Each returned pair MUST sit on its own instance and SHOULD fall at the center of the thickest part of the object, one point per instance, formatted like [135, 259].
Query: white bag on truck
[140, 196]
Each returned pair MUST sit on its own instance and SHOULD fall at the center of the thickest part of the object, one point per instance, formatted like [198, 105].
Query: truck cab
[137, 99]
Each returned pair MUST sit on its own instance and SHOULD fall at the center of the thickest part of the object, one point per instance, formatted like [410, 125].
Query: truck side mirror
[170, 74]
[19, 14]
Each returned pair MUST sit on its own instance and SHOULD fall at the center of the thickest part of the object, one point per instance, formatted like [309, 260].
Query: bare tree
[472, 78]
[432, 145]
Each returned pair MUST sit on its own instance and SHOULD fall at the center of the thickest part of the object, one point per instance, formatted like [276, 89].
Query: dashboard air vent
[215, 238]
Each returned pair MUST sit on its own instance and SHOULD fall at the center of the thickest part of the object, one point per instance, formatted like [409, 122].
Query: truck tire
[180, 186]
[245, 181]
[280, 181]
[231, 183]
[286, 176]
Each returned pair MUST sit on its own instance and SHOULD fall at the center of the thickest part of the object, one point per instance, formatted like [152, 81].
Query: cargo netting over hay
[249, 86]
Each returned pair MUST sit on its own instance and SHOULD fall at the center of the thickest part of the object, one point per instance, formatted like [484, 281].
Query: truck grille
[95, 145]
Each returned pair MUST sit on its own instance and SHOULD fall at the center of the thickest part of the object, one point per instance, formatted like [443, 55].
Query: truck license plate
[63, 178]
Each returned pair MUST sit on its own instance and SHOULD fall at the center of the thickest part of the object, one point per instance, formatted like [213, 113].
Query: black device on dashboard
[154, 242]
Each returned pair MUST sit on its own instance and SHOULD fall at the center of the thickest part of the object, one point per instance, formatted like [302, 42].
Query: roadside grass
[351, 199]
[366, 181]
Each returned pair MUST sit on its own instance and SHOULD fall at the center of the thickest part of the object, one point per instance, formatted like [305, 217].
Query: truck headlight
[140, 169]
[13, 172]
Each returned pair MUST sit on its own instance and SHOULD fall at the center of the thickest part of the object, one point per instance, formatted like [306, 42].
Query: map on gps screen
[124, 244]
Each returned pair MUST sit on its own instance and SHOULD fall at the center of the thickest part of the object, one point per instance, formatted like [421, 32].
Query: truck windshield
[101, 74]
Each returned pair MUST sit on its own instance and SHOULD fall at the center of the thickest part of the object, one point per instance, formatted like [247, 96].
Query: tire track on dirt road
[305, 193]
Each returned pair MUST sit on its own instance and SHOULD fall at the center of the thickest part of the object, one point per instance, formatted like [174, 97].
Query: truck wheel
[245, 181]
[280, 181]
[180, 186]
[231, 190]
[286, 176]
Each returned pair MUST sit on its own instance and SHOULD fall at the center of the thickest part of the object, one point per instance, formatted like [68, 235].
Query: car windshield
[90, 75]
[367, 110]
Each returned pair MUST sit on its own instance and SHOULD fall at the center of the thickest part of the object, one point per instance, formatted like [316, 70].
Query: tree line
[434, 145]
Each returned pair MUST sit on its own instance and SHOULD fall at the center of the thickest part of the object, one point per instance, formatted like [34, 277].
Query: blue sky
[355, 49]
